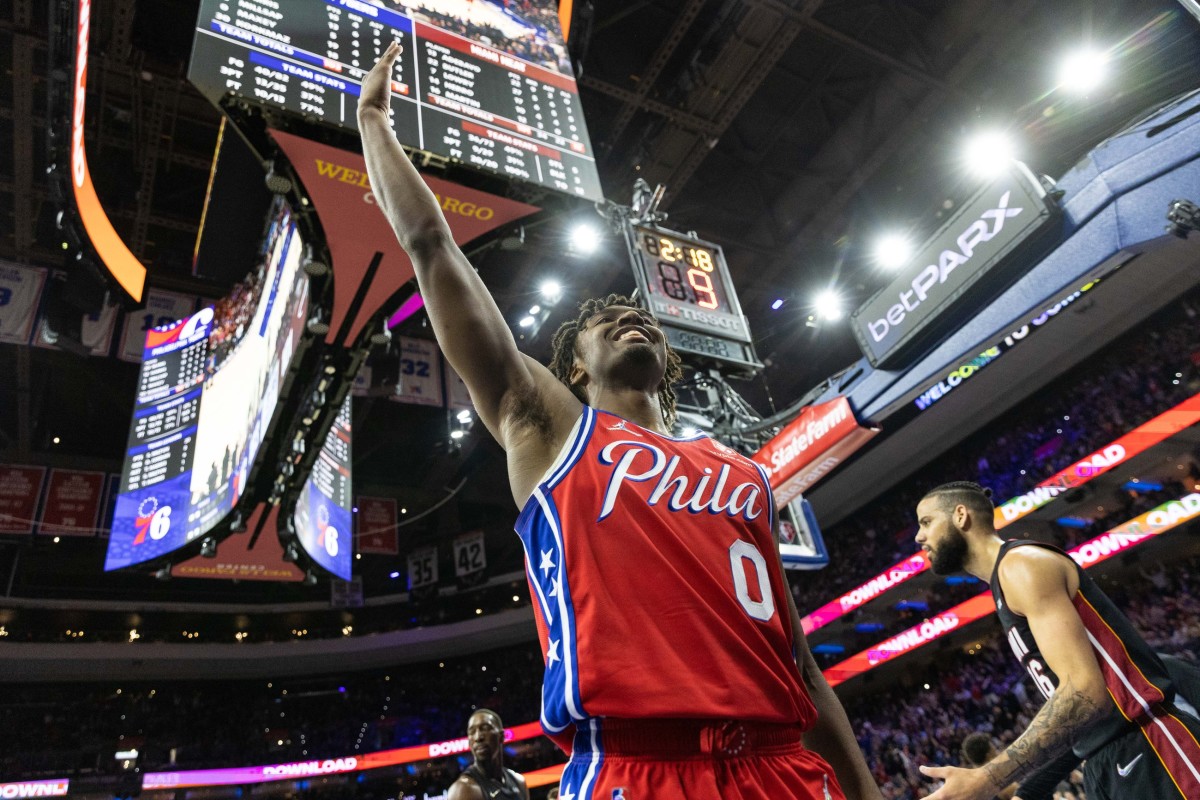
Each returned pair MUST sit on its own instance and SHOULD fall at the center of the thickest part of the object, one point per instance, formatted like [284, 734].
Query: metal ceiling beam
[845, 40]
[998, 21]
[632, 99]
[649, 76]
[149, 150]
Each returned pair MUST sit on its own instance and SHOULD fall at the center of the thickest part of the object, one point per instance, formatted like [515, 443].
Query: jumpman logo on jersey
[620, 426]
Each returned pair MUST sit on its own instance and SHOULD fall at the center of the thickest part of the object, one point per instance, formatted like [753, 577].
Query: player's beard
[950, 556]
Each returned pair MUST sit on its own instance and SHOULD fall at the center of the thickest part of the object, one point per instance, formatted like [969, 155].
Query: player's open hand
[377, 86]
[961, 784]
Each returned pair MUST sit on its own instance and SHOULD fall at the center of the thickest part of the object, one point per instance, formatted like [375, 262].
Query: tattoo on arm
[1051, 733]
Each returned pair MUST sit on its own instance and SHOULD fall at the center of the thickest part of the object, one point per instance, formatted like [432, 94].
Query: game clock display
[685, 283]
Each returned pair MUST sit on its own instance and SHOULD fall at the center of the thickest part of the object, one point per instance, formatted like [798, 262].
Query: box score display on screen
[497, 93]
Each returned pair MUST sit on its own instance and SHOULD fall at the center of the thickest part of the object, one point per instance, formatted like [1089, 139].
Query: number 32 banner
[420, 373]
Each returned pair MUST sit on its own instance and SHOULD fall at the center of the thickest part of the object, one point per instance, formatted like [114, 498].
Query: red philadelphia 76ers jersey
[656, 590]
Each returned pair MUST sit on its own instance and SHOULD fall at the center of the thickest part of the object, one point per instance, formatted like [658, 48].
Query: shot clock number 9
[677, 263]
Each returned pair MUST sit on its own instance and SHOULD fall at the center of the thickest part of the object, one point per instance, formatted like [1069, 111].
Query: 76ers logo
[328, 537]
[152, 519]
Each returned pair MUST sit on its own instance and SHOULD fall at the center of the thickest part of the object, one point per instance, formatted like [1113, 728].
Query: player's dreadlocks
[564, 354]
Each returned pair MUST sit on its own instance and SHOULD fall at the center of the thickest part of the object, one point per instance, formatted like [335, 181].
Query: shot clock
[685, 283]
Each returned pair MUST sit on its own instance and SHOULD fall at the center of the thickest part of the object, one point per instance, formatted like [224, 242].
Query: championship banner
[811, 446]
[346, 594]
[20, 488]
[457, 396]
[162, 308]
[95, 332]
[20, 293]
[375, 526]
[236, 561]
[362, 382]
[420, 373]
[72, 505]
[422, 568]
[356, 229]
[470, 556]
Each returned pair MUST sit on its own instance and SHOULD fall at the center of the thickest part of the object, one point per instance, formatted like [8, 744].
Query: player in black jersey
[1108, 696]
[487, 778]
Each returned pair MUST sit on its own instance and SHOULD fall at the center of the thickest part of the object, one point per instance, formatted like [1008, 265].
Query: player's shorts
[1161, 761]
[694, 759]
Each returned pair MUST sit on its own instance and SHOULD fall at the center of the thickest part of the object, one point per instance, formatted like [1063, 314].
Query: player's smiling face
[623, 345]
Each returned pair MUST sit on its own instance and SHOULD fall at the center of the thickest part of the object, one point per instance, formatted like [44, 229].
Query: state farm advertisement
[810, 447]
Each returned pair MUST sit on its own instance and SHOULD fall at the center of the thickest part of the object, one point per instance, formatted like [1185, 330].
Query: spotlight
[585, 238]
[551, 290]
[310, 579]
[1082, 71]
[778, 304]
[989, 154]
[208, 547]
[316, 326]
[527, 322]
[314, 266]
[382, 336]
[892, 251]
[163, 574]
[456, 434]
[291, 553]
[317, 399]
[828, 305]
[276, 181]
[464, 416]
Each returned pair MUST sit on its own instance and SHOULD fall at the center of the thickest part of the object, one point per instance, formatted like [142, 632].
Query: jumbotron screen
[323, 508]
[485, 82]
[207, 391]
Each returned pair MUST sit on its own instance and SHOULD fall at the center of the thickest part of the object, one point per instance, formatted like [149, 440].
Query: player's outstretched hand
[377, 86]
[961, 784]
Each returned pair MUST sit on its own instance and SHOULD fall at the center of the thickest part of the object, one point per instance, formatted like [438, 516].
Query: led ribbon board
[331, 766]
[1137, 441]
[1156, 521]
[323, 509]
[685, 283]
[485, 84]
[955, 270]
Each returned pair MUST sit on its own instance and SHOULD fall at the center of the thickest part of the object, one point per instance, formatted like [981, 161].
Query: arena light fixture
[892, 250]
[1083, 70]
[828, 305]
[551, 290]
[526, 322]
[989, 153]
[778, 304]
[585, 238]
[464, 416]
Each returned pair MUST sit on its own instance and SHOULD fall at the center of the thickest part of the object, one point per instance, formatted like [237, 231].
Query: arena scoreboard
[488, 84]
[685, 283]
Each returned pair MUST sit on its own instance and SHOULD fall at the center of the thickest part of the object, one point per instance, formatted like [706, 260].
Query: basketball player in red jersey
[670, 639]
[1109, 698]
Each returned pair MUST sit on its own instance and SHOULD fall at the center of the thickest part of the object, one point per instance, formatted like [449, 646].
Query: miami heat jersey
[1136, 679]
[656, 590]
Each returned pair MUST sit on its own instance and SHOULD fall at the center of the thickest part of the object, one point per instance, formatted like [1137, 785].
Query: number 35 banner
[422, 568]
[20, 292]
[420, 373]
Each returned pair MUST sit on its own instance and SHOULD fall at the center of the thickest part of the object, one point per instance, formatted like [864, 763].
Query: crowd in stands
[231, 314]
[1148, 371]
[536, 47]
[75, 730]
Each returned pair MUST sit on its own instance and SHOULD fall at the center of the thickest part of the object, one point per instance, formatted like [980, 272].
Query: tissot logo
[933, 276]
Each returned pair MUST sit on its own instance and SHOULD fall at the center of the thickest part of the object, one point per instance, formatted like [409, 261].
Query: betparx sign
[958, 260]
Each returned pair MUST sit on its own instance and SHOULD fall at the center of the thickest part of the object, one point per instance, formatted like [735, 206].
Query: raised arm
[469, 327]
[1039, 585]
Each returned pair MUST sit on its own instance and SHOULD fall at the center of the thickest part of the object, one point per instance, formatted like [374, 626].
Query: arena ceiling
[792, 132]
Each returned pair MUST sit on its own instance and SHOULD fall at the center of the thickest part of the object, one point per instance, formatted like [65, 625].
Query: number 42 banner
[470, 556]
